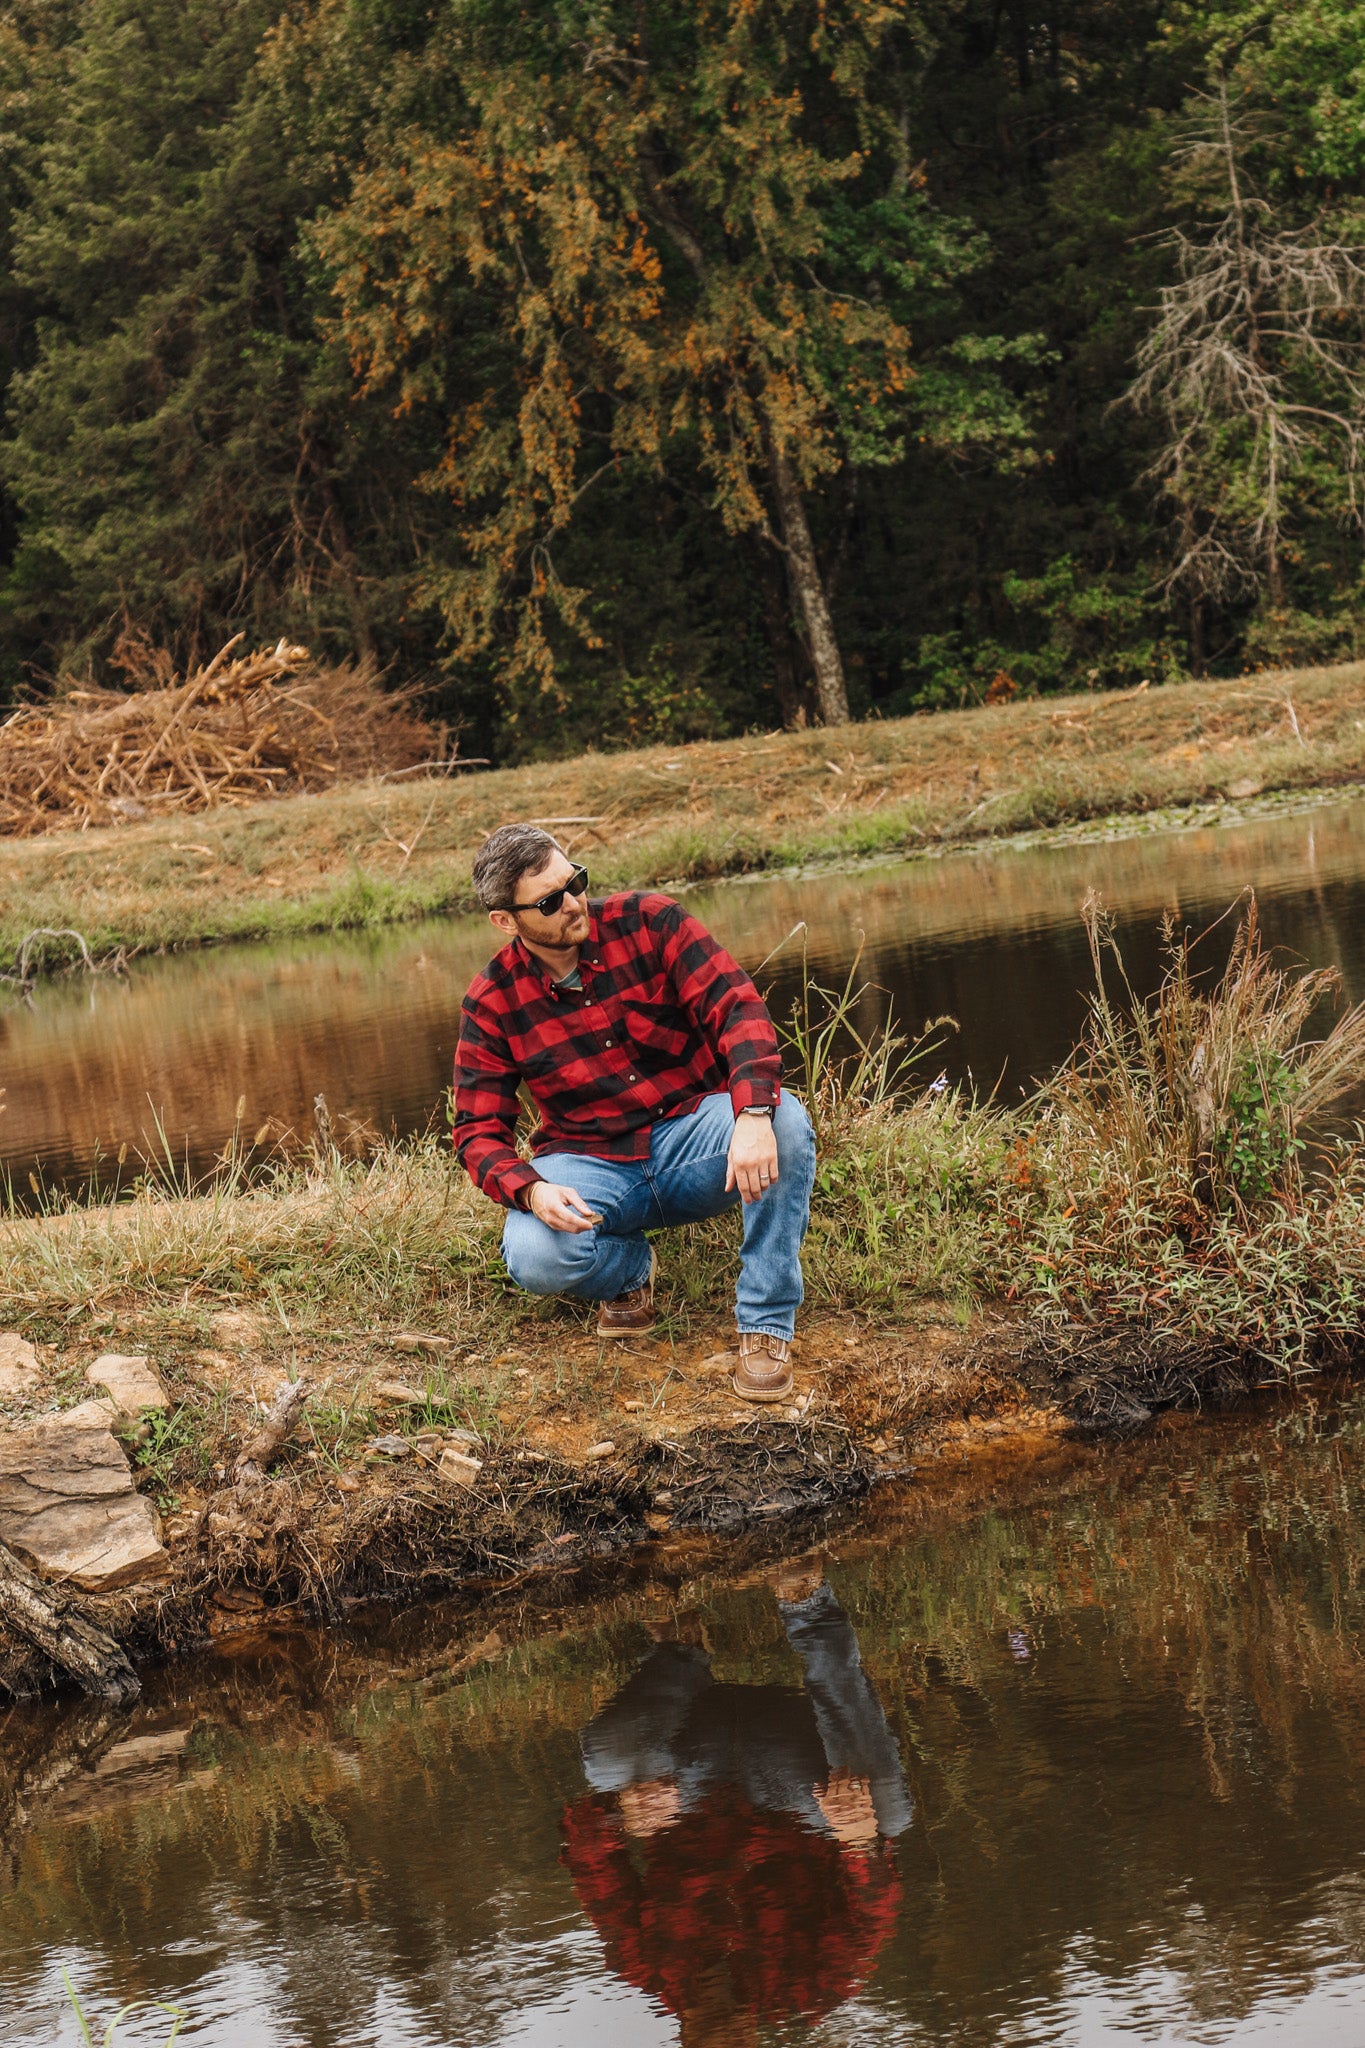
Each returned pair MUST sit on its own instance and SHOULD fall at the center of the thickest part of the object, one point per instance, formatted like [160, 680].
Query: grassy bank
[1151, 1230]
[373, 853]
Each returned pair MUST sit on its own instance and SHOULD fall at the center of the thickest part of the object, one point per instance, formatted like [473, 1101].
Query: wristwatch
[757, 1109]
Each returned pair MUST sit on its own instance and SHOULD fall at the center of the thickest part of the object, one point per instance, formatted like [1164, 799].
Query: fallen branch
[270, 1438]
[54, 1623]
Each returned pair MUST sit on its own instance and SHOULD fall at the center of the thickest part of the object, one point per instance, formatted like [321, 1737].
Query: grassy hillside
[375, 852]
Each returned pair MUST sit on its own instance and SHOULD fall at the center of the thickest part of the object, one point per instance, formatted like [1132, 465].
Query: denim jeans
[682, 1181]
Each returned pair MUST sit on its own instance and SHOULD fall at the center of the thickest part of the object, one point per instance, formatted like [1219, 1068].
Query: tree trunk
[830, 687]
[783, 645]
[1198, 652]
[55, 1624]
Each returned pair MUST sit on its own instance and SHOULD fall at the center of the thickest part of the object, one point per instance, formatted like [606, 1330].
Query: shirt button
[630, 1077]
[608, 1044]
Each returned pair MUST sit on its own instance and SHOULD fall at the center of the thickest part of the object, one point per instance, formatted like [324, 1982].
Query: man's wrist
[758, 1109]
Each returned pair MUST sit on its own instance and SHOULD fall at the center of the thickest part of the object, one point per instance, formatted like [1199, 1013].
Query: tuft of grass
[1167, 1164]
[136, 2005]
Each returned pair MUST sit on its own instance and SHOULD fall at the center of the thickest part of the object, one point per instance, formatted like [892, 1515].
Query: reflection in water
[735, 1856]
[1126, 1689]
[369, 1020]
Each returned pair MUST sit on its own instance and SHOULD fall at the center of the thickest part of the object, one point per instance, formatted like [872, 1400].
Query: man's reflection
[735, 1851]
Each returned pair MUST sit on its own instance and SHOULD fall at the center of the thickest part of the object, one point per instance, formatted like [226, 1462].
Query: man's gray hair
[505, 856]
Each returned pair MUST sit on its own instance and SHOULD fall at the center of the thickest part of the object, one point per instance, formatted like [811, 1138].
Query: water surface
[1071, 1757]
[183, 1051]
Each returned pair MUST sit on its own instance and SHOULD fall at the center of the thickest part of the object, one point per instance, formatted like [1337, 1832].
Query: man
[654, 1066]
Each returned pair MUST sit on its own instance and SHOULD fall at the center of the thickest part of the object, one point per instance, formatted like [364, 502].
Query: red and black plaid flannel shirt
[664, 1017]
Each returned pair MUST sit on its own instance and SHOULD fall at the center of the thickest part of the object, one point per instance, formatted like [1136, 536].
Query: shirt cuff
[754, 1094]
[515, 1182]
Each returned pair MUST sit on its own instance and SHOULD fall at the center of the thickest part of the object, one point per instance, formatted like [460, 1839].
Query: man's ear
[504, 922]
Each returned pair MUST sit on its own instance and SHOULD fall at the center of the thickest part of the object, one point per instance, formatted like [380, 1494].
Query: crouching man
[654, 1065]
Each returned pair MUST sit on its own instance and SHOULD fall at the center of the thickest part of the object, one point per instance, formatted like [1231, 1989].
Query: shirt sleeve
[486, 1106]
[723, 1003]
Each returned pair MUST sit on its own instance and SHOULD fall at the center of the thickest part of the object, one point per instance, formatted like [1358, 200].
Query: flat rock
[18, 1366]
[398, 1394]
[458, 1469]
[68, 1505]
[418, 1340]
[132, 1384]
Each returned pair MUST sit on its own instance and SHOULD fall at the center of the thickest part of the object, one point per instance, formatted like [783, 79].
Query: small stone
[236, 1329]
[398, 1394]
[602, 1450]
[663, 1499]
[463, 1439]
[459, 1469]
[132, 1383]
[632, 1407]
[18, 1366]
[347, 1484]
[879, 1445]
[416, 1340]
[388, 1447]
[720, 1362]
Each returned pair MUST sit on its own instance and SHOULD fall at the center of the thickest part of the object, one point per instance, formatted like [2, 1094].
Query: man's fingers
[731, 1177]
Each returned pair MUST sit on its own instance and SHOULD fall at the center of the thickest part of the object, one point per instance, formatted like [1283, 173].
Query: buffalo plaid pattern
[663, 1018]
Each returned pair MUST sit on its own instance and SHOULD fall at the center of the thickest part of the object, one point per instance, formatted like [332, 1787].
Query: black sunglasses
[549, 906]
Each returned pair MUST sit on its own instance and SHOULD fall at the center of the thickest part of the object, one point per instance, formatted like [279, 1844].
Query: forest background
[634, 370]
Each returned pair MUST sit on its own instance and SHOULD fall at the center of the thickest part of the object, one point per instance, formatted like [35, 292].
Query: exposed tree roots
[277, 1547]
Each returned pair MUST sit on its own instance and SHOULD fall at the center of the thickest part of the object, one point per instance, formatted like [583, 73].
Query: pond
[167, 1062]
[1059, 1754]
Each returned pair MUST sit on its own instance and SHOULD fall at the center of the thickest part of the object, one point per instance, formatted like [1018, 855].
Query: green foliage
[478, 336]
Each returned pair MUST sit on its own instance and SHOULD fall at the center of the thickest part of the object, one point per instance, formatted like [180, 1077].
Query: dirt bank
[379, 1518]
[375, 852]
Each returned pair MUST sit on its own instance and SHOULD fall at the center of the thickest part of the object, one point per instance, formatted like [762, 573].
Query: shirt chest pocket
[656, 1033]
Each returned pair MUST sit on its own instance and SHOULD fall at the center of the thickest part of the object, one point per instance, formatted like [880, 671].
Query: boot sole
[778, 1394]
[637, 1330]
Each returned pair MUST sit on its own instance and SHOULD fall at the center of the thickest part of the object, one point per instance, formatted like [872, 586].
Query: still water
[162, 1061]
[1070, 1755]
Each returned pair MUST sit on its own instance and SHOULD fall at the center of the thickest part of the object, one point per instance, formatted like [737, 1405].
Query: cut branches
[231, 733]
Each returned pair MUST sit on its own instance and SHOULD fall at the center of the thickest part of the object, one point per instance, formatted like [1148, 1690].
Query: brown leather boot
[765, 1370]
[629, 1315]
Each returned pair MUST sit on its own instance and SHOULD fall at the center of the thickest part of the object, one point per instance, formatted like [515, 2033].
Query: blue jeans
[682, 1181]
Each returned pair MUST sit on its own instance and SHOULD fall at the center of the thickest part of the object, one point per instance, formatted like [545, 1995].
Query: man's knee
[541, 1260]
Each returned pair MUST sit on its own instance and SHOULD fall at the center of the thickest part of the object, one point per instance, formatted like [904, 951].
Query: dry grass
[371, 853]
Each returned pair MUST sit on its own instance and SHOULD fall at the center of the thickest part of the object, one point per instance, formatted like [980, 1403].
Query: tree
[625, 238]
[1255, 369]
[184, 446]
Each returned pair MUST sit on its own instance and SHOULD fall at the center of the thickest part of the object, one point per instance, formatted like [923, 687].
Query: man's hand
[561, 1208]
[846, 1803]
[751, 1165]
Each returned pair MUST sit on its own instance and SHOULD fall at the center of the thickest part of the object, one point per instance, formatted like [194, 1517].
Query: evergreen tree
[185, 449]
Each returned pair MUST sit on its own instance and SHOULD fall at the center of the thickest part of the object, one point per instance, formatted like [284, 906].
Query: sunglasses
[549, 906]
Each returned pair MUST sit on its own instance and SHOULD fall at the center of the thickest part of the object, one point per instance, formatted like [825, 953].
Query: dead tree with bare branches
[1254, 368]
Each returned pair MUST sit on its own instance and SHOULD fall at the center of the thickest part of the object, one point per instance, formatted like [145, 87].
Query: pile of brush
[232, 732]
